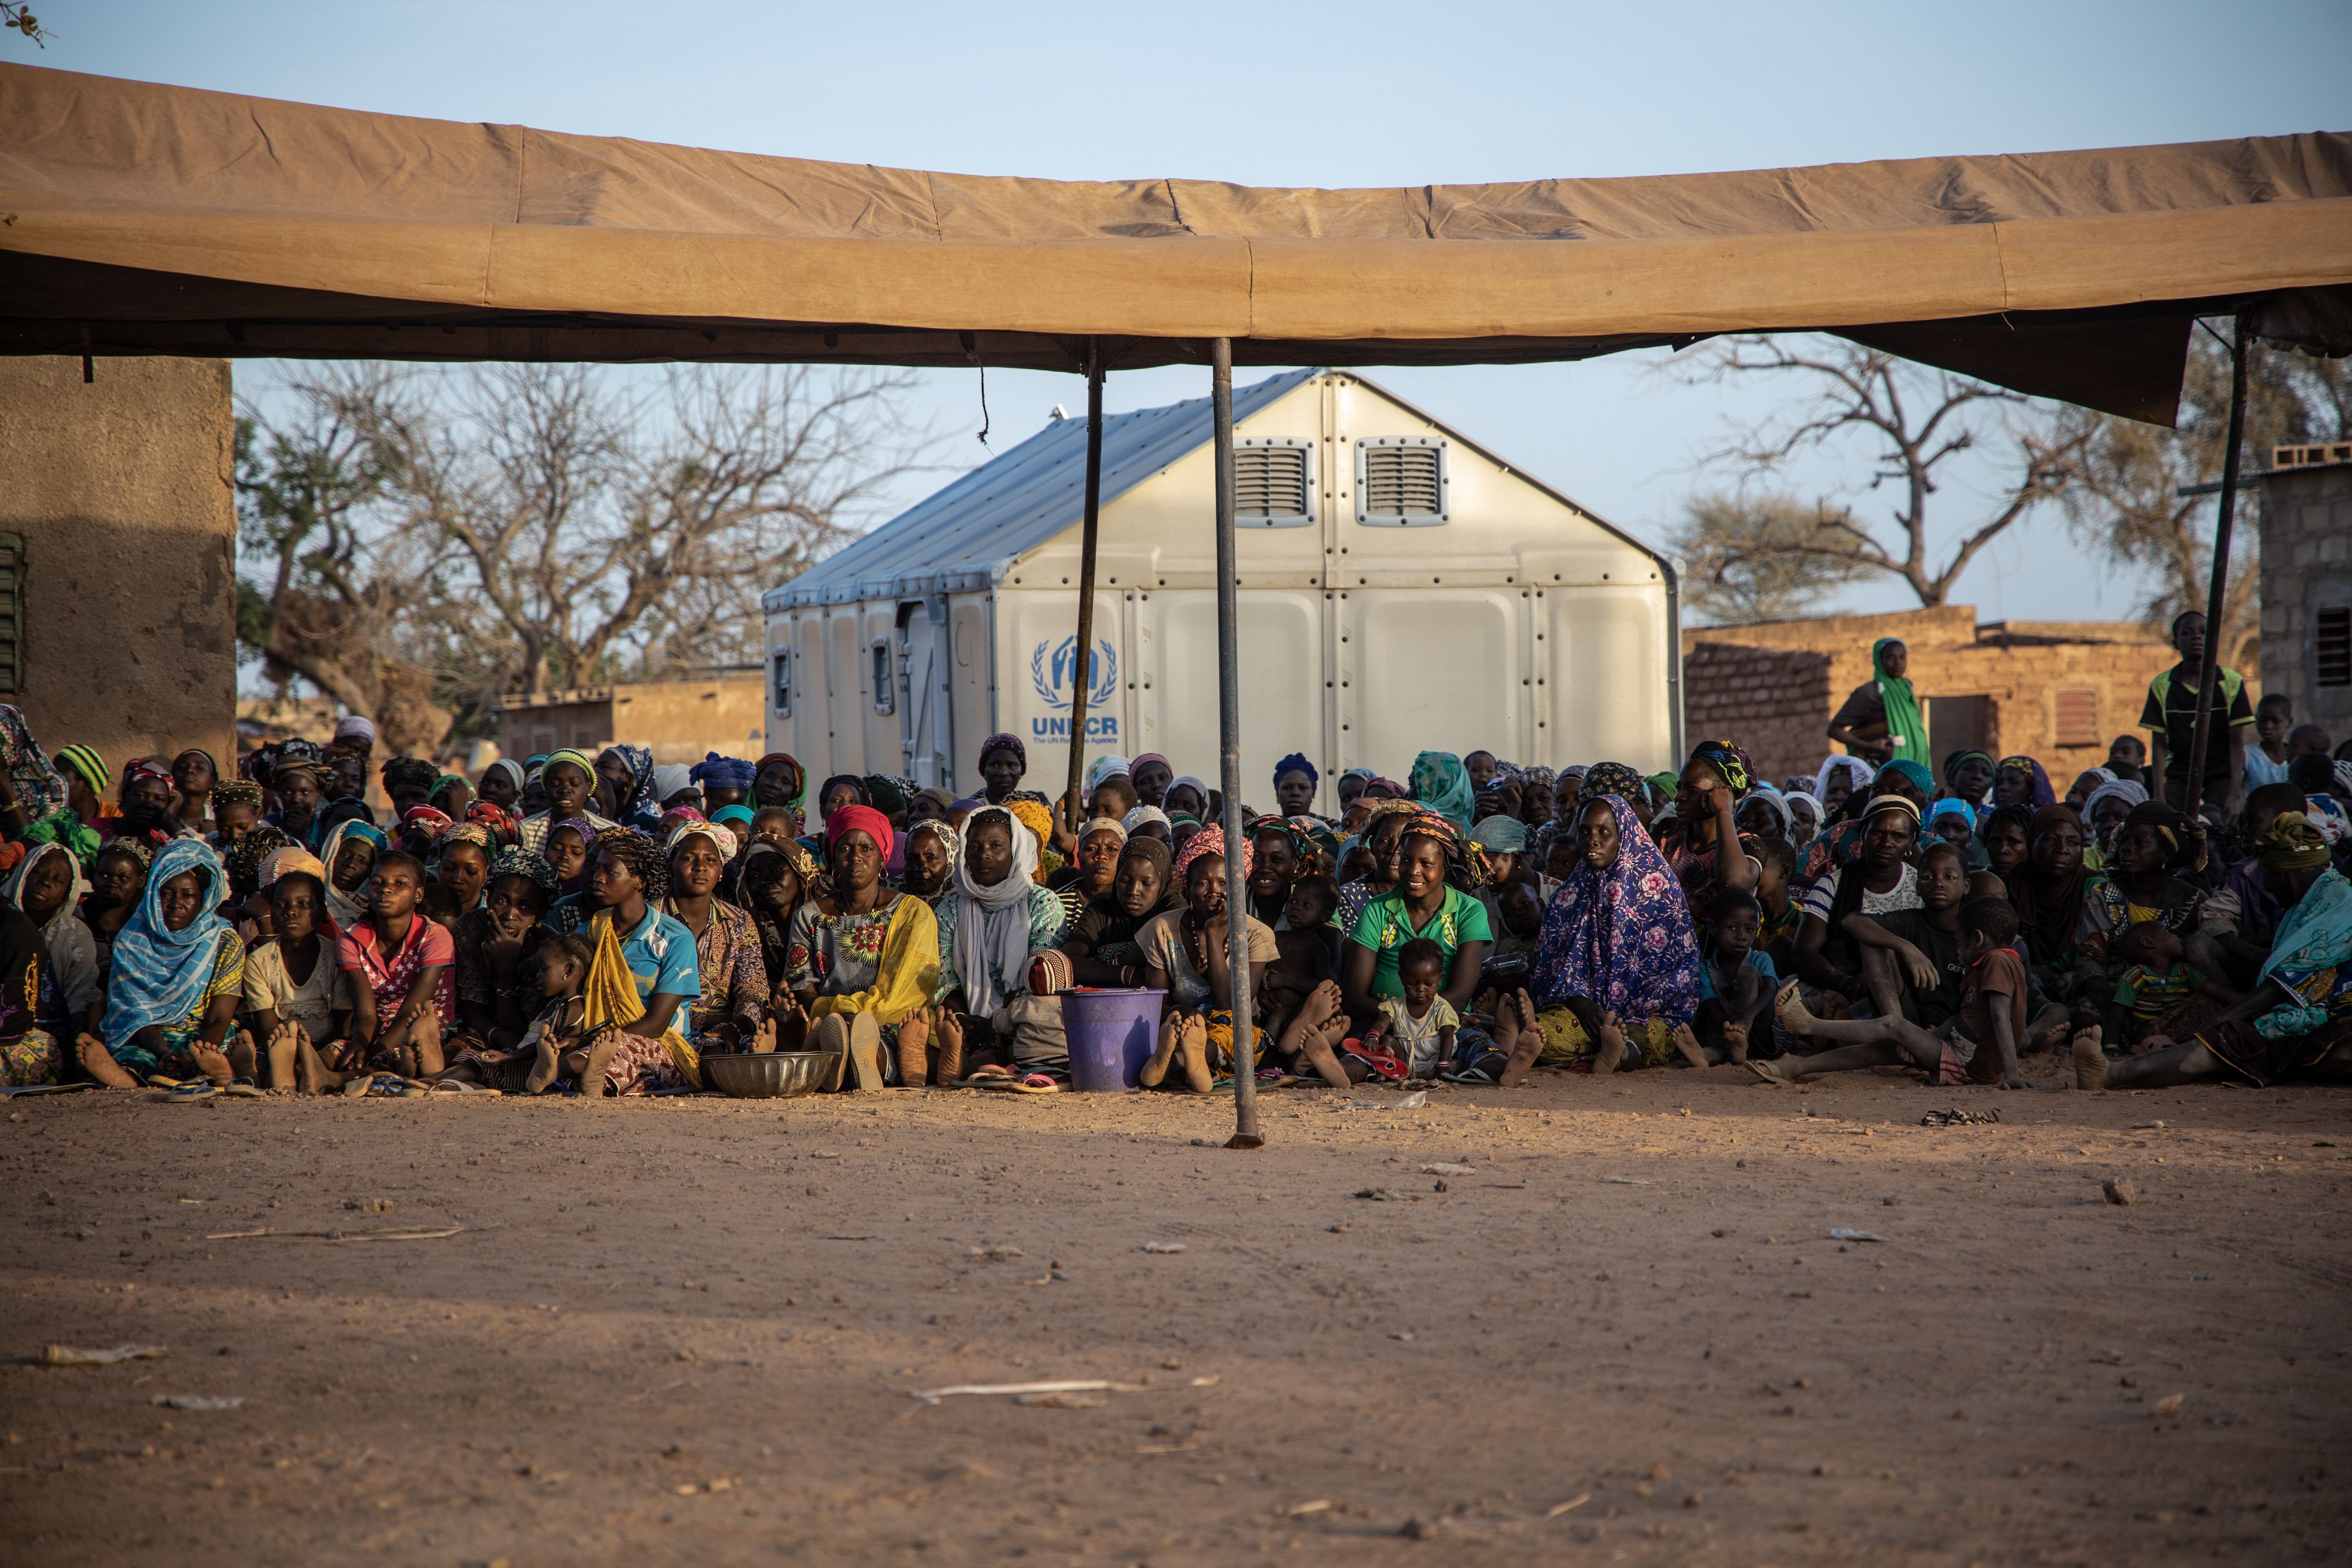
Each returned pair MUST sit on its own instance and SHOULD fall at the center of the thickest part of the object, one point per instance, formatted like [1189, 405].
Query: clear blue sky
[1319, 95]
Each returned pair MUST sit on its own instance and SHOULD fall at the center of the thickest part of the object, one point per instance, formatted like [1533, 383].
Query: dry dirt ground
[689, 1330]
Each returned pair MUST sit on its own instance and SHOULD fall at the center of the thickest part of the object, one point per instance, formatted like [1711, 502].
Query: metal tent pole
[1086, 661]
[2209, 670]
[1229, 736]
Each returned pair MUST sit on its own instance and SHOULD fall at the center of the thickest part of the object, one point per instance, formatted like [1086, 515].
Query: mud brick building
[118, 538]
[678, 721]
[2060, 690]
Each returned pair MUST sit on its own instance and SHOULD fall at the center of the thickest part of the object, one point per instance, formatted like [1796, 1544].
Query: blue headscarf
[1296, 763]
[723, 773]
[1951, 808]
[161, 973]
[642, 810]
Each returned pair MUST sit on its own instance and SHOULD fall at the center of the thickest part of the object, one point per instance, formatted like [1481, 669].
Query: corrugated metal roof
[961, 537]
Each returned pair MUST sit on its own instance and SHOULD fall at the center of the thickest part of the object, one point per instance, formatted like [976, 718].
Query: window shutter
[2078, 716]
[2332, 647]
[1400, 482]
[1273, 485]
[12, 612]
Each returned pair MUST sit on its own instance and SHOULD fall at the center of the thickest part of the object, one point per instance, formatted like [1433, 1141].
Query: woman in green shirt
[1422, 904]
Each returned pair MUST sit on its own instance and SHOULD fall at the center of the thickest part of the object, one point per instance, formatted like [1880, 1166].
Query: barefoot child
[1305, 955]
[294, 988]
[1976, 1045]
[398, 963]
[554, 1046]
[2157, 995]
[1736, 979]
[1415, 1032]
[1185, 954]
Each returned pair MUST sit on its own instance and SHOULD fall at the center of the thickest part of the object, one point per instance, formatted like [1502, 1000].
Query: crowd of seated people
[594, 924]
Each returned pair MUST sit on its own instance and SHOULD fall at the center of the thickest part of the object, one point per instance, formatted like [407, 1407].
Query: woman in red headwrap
[862, 961]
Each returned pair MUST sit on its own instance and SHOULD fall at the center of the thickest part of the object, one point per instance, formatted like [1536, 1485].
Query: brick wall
[1772, 687]
[1773, 701]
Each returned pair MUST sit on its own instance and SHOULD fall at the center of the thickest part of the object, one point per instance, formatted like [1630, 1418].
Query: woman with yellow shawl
[644, 972]
[863, 960]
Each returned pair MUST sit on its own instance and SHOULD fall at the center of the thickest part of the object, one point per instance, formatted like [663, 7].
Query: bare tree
[1744, 559]
[561, 528]
[1916, 420]
[331, 584]
[2126, 501]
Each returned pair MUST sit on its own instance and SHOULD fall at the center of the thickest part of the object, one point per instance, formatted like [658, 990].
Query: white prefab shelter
[1400, 588]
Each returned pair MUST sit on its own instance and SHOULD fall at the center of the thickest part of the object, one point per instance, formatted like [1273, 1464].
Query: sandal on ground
[1034, 1083]
[194, 1089]
[244, 1088]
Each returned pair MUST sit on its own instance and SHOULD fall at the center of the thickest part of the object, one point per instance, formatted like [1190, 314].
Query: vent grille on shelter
[1400, 481]
[1273, 485]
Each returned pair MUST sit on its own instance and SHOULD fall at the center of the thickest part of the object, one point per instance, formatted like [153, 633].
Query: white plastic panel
[1282, 689]
[1604, 697]
[1432, 669]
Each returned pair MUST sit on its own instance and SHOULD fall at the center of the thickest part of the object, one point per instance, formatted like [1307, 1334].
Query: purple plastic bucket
[1110, 1035]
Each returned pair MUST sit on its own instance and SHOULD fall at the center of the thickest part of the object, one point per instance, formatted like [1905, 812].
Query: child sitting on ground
[1736, 980]
[2157, 998]
[1979, 1044]
[1185, 954]
[1305, 956]
[1778, 914]
[554, 1046]
[1417, 1030]
[399, 965]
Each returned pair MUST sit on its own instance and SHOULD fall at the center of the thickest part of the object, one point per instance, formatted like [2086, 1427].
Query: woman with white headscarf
[1849, 774]
[994, 917]
[2113, 801]
[1805, 817]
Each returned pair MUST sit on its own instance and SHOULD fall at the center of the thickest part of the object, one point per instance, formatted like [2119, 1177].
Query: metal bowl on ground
[770, 1075]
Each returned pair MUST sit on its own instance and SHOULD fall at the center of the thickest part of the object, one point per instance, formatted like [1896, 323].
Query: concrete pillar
[123, 493]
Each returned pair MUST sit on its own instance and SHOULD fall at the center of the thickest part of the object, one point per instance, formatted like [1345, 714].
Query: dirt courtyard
[689, 1331]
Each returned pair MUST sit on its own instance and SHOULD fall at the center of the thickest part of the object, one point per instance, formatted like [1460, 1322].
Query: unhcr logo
[1053, 672]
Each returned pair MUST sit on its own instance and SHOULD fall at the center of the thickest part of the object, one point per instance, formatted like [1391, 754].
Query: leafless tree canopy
[533, 527]
[1912, 421]
[1749, 557]
[2125, 502]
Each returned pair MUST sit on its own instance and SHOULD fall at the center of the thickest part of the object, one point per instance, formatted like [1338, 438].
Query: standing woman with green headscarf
[1441, 783]
[1880, 719]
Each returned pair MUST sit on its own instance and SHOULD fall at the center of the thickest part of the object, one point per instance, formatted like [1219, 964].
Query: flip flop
[8, 1092]
[197, 1089]
[1034, 1083]
[459, 1086]
[243, 1089]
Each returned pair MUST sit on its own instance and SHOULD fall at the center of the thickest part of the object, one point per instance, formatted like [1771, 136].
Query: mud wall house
[681, 721]
[2306, 545]
[118, 538]
[2058, 690]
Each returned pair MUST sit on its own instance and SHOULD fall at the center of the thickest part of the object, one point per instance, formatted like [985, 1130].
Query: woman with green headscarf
[1441, 783]
[1880, 718]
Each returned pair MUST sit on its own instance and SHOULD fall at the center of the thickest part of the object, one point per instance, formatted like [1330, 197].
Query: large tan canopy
[152, 219]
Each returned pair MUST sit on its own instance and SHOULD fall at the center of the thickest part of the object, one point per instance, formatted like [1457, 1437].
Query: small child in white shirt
[1417, 1028]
